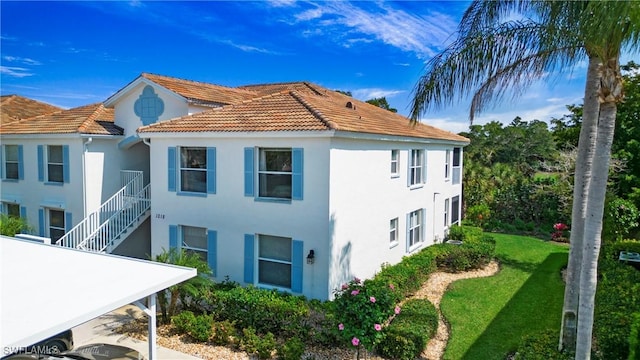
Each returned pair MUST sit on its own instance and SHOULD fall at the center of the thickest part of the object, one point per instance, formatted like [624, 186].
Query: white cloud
[455, 126]
[422, 34]
[26, 61]
[248, 48]
[367, 94]
[281, 3]
[17, 72]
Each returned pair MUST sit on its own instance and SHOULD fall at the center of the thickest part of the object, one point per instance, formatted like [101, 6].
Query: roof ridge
[174, 78]
[91, 118]
[315, 112]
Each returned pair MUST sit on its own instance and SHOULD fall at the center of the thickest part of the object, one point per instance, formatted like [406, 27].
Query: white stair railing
[98, 231]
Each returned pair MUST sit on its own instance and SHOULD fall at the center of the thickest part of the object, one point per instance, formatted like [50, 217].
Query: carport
[47, 289]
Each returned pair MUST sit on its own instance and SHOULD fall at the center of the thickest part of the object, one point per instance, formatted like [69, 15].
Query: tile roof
[200, 92]
[88, 119]
[301, 106]
[15, 107]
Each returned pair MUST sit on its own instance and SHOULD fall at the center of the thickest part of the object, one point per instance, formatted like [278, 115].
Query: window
[447, 159]
[416, 169]
[456, 165]
[395, 163]
[393, 231]
[53, 163]
[414, 228]
[12, 162]
[193, 169]
[56, 225]
[194, 241]
[455, 209]
[11, 209]
[274, 173]
[274, 261]
[446, 212]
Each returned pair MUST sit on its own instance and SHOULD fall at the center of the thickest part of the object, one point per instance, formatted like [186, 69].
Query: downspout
[85, 148]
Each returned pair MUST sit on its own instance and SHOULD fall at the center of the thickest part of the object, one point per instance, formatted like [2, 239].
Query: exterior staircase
[107, 227]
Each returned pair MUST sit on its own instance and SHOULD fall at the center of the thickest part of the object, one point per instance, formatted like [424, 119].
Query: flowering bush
[362, 312]
[559, 232]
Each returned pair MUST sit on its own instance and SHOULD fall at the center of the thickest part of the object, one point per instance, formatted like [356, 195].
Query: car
[86, 352]
[54, 345]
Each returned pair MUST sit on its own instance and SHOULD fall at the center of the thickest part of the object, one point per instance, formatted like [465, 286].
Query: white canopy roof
[47, 289]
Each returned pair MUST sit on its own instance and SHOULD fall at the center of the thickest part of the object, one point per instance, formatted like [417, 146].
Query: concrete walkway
[101, 330]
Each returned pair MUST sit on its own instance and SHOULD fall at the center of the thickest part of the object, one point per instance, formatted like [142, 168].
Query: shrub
[10, 226]
[201, 328]
[183, 322]
[407, 335]
[223, 332]
[621, 217]
[634, 337]
[292, 349]
[469, 255]
[477, 215]
[252, 343]
[363, 310]
[542, 346]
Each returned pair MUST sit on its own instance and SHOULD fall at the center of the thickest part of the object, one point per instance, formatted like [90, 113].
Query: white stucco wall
[34, 194]
[232, 214]
[126, 118]
[364, 197]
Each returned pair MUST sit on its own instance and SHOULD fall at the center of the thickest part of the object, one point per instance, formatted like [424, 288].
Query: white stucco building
[289, 186]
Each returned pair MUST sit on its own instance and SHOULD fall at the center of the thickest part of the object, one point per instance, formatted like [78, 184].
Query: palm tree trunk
[584, 160]
[611, 92]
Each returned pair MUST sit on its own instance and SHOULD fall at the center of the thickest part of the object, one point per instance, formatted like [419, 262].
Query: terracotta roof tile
[201, 93]
[15, 107]
[301, 106]
[88, 119]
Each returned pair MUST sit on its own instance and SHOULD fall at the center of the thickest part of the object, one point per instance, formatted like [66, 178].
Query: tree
[497, 53]
[381, 102]
[11, 225]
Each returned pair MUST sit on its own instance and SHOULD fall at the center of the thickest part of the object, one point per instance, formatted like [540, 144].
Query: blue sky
[76, 53]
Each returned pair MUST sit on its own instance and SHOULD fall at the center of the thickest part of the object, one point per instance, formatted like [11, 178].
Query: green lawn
[489, 316]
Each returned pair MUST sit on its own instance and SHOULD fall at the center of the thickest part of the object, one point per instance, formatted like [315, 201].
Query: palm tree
[491, 56]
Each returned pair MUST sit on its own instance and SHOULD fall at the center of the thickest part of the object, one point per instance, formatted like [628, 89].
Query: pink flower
[372, 299]
[344, 286]
[340, 327]
[355, 341]
[355, 292]
[392, 287]
[378, 327]
[356, 280]
[397, 310]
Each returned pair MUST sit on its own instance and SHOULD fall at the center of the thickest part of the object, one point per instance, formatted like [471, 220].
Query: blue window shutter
[424, 166]
[211, 170]
[248, 171]
[68, 221]
[297, 170]
[20, 163]
[40, 163]
[65, 163]
[41, 221]
[171, 168]
[249, 257]
[297, 259]
[408, 226]
[212, 250]
[173, 237]
[23, 212]
[2, 163]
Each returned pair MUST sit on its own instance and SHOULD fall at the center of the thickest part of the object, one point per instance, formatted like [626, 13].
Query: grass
[489, 316]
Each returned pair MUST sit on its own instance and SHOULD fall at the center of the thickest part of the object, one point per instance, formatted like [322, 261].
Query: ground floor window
[455, 209]
[446, 212]
[393, 231]
[11, 210]
[56, 225]
[274, 261]
[414, 228]
[194, 241]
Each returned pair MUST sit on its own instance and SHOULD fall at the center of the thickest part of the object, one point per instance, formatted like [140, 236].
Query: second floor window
[274, 173]
[447, 164]
[55, 164]
[416, 167]
[11, 162]
[193, 169]
[395, 162]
